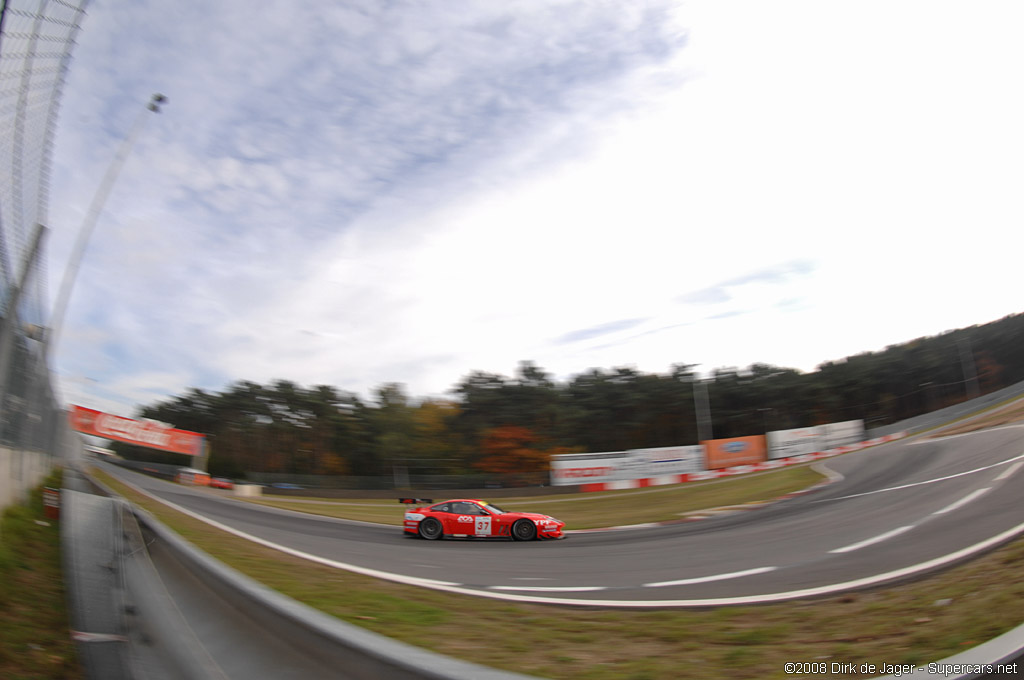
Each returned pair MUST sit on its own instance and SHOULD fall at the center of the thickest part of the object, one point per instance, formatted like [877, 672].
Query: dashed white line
[963, 501]
[1009, 471]
[927, 481]
[872, 541]
[549, 589]
[708, 579]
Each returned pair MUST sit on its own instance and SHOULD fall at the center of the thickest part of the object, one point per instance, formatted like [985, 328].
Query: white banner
[586, 468]
[668, 460]
[614, 466]
[841, 434]
[796, 442]
[803, 440]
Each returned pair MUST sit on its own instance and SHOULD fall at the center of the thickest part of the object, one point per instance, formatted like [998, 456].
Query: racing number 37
[483, 526]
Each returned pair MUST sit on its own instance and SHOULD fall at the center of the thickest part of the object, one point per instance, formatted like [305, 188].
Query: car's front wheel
[431, 529]
[524, 530]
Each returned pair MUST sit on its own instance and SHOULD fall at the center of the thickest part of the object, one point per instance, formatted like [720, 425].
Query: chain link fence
[36, 41]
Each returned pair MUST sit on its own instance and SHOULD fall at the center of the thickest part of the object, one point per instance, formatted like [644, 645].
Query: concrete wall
[945, 415]
[20, 472]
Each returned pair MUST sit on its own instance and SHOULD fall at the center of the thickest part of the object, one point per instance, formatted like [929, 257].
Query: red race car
[471, 517]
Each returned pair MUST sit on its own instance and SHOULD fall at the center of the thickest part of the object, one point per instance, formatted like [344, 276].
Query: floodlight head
[156, 101]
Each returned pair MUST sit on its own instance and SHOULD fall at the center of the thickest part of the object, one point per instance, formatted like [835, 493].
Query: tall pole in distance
[91, 217]
[702, 409]
[967, 362]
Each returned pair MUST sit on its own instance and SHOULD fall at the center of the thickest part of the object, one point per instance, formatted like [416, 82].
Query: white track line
[963, 501]
[927, 481]
[1009, 471]
[549, 589]
[872, 541]
[708, 579]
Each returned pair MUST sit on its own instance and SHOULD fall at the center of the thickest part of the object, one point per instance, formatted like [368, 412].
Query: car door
[470, 519]
[483, 522]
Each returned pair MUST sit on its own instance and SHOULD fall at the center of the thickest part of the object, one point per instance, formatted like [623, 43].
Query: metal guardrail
[357, 653]
[950, 413]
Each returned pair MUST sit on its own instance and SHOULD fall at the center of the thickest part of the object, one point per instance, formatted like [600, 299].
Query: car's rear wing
[412, 501]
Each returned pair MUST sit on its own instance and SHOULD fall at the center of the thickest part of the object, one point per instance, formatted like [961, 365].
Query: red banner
[138, 432]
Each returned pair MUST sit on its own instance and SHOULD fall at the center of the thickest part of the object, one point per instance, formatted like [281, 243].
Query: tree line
[508, 427]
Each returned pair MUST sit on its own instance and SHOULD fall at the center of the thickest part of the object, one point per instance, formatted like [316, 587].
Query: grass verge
[587, 511]
[910, 623]
[35, 641]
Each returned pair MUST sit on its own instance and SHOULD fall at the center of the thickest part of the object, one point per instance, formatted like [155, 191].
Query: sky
[359, 193]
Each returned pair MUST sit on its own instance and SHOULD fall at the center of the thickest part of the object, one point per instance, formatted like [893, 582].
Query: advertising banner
[585, 468]
[842, 434]
[723, 453]
[617, 466]
[796, 442]
[668, 460]
[139, 432]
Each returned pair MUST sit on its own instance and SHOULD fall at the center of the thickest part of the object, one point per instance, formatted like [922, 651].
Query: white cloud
[360, 194]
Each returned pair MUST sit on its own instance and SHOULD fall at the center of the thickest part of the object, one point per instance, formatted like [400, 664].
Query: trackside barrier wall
[949, 413]
[671, 465]
[992, 659]
[795, 442]
[735, 452]
[736, 469]
[803, 440]
[842, 434]
[20, 471]
[618, 466]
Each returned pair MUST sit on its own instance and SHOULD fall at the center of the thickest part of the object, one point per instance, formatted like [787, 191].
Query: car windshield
[494, 509]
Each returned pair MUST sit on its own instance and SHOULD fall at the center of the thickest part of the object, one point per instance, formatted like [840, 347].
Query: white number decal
[483, 526]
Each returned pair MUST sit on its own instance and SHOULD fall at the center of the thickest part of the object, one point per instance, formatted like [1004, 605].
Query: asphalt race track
[897, 509]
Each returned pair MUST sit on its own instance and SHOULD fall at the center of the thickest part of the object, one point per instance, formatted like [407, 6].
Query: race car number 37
[482, 525]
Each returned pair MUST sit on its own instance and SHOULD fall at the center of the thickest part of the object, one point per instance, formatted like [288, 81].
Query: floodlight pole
[91, 217]
[967, 363]
[702, 409]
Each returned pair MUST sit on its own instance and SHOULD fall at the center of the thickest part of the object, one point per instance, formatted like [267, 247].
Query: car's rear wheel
[524, 530]
[431, 529]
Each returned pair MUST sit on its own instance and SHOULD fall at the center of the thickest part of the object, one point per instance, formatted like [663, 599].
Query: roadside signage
[139, 432]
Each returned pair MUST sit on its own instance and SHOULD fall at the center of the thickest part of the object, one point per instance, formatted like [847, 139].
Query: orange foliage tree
[515, 453]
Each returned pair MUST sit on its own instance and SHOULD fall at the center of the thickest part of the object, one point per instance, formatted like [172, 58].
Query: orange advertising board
[138, 432]
[723, 453]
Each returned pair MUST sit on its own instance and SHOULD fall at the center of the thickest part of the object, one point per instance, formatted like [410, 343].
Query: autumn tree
[434, 437]
[511, 450]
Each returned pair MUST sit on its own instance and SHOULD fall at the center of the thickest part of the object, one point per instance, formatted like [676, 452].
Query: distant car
[222, 483]
[472, 517]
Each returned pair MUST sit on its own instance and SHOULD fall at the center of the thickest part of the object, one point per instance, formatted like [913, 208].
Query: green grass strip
[588, 511]
[35, 639]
